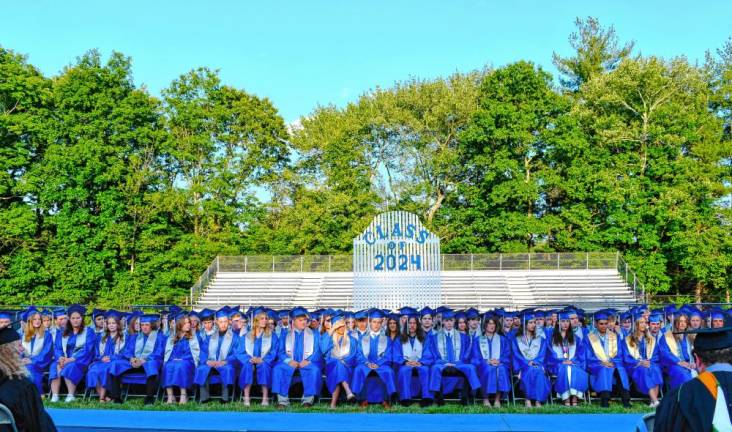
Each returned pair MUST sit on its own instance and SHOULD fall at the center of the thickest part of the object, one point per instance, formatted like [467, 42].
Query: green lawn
[136, 404]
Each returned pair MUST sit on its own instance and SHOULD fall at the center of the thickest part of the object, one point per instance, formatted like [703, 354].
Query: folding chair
[6, 418]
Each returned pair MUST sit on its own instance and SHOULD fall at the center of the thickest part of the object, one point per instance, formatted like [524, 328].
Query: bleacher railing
[450, 262]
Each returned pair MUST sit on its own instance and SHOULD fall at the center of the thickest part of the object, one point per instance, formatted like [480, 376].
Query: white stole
[559, 351]
[340, 352]
[144, 351]
[494, 353]
[531, 349]
[266, 345]
[456, 344]
[225, 345]
[37, 346]
[117, 345]
[80, 341]
[307, 343]
[412, 353]
[366, 345]
[192, 345]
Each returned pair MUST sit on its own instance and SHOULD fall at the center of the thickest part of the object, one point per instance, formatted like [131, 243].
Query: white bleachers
[515, 289]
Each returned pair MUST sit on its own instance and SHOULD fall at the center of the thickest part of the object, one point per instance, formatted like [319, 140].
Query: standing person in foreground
[17, 392]
[700, 404]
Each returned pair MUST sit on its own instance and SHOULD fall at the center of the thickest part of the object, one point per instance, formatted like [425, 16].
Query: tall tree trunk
[698, 291]
[436, 206]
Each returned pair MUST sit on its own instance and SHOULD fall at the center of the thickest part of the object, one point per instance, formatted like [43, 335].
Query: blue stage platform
[79, 420]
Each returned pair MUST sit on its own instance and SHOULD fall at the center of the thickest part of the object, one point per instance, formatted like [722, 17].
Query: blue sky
[304, 53]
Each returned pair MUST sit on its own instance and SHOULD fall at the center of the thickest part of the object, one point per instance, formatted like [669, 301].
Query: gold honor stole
[612, 341]
[635, 353]
[672, 344]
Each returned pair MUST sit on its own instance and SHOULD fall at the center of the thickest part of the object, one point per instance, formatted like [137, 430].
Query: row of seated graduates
[371, 355]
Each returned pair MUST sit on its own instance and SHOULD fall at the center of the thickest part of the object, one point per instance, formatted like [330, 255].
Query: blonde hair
[11, 364]
[267, 330]
[30, 331]
[637, 334]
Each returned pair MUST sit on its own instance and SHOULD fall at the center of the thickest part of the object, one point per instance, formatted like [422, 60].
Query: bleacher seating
[515, 289]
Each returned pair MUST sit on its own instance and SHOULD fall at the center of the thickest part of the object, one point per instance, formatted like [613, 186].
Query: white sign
[396, 262]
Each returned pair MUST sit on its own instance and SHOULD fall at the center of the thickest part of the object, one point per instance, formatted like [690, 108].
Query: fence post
[301, 262]
[529, 260]
[617, 258]
[500, 261]
[471, 262]
[246, 259]
[329, 257]
[626, 272]
[218, 266]
[558, 261]
[273, 263]
[191, 296]
[587, 260]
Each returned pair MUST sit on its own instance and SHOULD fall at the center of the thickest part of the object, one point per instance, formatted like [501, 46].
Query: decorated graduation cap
[711, 339]
[81, 310]
[298, 312]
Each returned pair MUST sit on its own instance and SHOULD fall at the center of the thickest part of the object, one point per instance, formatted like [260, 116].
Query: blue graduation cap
[408, 311]
[47, 313]
[426, 311]
[284, 313]
[206, 314]
[460, 315]
[113, 314]
[472, 313]
[272, 314]
[97, 312]
[441, 309]
[337, 321]
[233, 312]
[315, 315]
[601, 316]
[362, 314]
[716, 313]
[376, 314]
[81, 310]
[448, 314]
[298, 311]
[670, 309]
[59, 312]
[5, 315]
[565, 315]
[148, 319]
[655, 318]
[222, 313]
[174, 310]
[194, 314]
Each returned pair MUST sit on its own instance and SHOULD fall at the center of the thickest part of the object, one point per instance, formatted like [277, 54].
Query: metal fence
[491, 261]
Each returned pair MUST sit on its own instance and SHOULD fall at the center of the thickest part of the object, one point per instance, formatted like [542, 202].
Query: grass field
[136, 404]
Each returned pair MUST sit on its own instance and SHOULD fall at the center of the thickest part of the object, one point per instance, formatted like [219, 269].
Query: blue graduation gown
[215, 349]
[533, 380]
[643, 378]
[375, 355]
[262, 371]
[339, 364]
[150, 348]
[40, 351]
[602, 377]
[572, 380]
[492, 378]
[98, 370]
[460, 360]
[410, 351]
[180, 362]
[670, 357]
[310, 375]
[83, 352]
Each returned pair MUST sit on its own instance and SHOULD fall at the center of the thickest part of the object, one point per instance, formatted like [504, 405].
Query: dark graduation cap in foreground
[708, 339]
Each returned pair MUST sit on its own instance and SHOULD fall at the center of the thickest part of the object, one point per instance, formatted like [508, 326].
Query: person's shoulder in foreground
[702, 404]
[17, 392]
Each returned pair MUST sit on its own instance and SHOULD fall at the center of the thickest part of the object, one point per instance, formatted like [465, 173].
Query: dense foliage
[110, 195]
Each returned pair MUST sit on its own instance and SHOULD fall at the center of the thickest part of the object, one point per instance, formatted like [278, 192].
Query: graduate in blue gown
[566, 360]
[73, 351]
[109, 349]
[182, 354]
[143, 353]
[641, 358]
[60, 318]
[217, 354]
[604, 354]
[528, 356]
[452, 358]
[299, 353]
[675, 351]
[37, 346]
[257, 353]
[340, 352]
[417, 358]
[374, 359]
[492, 357]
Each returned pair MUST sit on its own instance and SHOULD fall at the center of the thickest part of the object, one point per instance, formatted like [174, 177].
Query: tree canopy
[113, 196]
